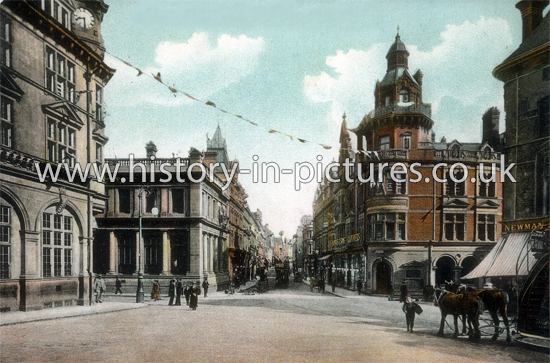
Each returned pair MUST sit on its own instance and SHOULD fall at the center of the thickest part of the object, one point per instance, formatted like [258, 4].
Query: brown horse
[494, 300]
[455, 305]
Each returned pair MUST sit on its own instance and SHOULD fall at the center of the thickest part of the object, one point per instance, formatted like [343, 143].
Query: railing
[473, 155]
[393, 154]
[425, 109]
[184, 162]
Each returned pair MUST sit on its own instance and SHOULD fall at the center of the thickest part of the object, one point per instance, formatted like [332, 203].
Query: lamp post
[154, 211]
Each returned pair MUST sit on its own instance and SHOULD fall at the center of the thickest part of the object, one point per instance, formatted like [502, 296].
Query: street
[281, 325]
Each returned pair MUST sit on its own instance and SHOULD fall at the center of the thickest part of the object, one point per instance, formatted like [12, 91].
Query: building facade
[52, 113]
[391, 222]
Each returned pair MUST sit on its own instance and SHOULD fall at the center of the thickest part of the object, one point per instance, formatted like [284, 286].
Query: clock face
[83, 19]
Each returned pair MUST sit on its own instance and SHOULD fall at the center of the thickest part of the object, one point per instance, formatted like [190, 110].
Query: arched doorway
[468, 264]
[383, 277]
[444, 270]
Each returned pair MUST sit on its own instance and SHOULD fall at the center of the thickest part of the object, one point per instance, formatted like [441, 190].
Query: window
[57, 11]
[61, 142]
[99, 153]
[60, 75]
[406, 142]
[453, 188]
[486, 227]
[5, 41]
[99, 103]
[397, 185]
[125, 201]
[455, 227]
[544, 117]
[7, 121]
[542, 184]
[384, 143]
[153, 254]
[5, 241]
[178, 200]
[386, 226]
[404, 95]
[57, 245]
[487, 189]
[387, 101]
[126, 252]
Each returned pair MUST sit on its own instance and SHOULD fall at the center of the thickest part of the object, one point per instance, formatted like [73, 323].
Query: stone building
[384, 227]
[52, 80]
[186, 235]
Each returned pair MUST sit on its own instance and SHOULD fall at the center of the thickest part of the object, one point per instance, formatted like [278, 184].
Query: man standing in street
[172, 291]
[359, 286]
[179, 291]
[205, 285]
[118, 286]
[99, 288]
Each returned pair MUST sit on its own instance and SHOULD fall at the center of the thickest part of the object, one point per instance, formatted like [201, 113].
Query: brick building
[408, 228]
[53, 77]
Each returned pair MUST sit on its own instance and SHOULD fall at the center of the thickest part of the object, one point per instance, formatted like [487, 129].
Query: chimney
[195, 156]
[433, 137]
[491, 127]
[531, 15]
[151, 149]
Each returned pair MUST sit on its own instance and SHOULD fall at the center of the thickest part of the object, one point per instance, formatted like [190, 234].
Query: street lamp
[154, 211]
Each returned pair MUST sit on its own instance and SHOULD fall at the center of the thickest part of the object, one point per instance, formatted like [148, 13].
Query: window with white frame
[386, 226]
[404, 95]
[455, 227]
[57, 244]
[5, 41]
[60, 75]
[453, 188]
[486, 227]
[396, 185]
[5, 241]
[487, 189]
[99, 103]
[7, 121]
[61, 142]
[406, 141]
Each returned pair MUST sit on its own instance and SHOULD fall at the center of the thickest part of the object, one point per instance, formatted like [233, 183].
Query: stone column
[195, 251]
[166, 254]
[113, 249]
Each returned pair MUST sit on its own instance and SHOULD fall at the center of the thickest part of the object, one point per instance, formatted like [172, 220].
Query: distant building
[385, 229]
[53, 77]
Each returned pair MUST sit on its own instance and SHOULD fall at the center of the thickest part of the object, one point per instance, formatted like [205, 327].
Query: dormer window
[404, 95]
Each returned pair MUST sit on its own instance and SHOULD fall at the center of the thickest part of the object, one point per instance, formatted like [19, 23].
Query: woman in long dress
[155, 291]
[194, 298]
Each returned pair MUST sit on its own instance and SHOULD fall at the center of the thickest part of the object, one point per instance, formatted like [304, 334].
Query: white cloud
[199, 66]
[460, 66]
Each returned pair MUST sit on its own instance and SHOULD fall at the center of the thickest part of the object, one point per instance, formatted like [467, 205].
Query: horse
[457, 304]
[494, 300]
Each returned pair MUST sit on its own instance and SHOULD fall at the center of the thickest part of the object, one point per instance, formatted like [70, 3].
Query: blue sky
[296, 67]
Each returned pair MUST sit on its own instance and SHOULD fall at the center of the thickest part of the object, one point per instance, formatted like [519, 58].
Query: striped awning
[508, 257]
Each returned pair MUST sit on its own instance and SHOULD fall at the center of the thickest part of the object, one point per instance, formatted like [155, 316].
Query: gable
[64, 111]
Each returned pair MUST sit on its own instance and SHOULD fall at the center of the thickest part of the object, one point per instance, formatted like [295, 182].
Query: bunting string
[175, 91]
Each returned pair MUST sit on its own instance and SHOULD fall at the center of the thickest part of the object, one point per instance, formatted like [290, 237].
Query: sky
[294, 67]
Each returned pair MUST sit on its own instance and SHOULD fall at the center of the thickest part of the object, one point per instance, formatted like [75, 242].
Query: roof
[507, 258]
[397, 46]
[537, 39]
[393, 75]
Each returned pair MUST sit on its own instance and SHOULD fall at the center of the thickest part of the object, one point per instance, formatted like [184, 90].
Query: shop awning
[509, 254]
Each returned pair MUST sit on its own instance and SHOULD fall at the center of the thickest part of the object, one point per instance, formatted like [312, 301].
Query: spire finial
[344, 116]
[398, 30]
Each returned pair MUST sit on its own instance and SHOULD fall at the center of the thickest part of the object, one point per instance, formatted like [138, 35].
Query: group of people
[176, 290]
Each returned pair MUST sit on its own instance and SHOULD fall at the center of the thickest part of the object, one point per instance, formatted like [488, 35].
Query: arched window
[5, 241]
[404, 95]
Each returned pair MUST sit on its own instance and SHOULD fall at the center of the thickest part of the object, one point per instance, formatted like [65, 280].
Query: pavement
[111, 303]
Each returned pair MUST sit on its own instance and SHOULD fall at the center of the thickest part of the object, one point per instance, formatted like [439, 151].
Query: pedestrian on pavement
[404, 292]
[179, 291]
[118, 286]
[359, 287]
[333, 283]
[187, 293]
[410, 308]
[194, 298]
[205, 285]
[155, 291]
[172, 291]
[99, 288]
[390, 292]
